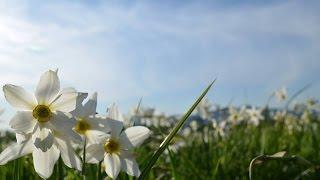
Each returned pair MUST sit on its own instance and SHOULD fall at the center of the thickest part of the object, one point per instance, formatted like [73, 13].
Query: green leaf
[277, 156]
[175, 130]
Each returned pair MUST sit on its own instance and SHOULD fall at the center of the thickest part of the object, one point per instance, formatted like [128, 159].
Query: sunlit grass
[210, 157]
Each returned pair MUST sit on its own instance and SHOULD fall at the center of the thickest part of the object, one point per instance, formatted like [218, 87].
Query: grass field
[58, 136]
[213, 150]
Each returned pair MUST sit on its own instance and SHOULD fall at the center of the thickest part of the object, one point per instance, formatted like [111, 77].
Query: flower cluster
[222, 120]
[51, 121]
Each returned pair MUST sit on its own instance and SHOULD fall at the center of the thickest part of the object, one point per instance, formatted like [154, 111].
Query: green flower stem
[84, 159]
[99, 170]
[60, 168]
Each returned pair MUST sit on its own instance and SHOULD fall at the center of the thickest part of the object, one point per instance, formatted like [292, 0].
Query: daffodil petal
[68, 90]
[112, 165]
[18, 97]
[77, 112]
[116, 123]
[130, 166]
[48, 87]
[81, 95]
[62, 123]
[69, 157]
[15, 151]
[94, 153]
[65, 102]
[102, 124]
[20, 137]
[43, 138]
[134, 136]
[95, 137]
[116, 128]
[44, 161]
[23, 121]
[90, 107]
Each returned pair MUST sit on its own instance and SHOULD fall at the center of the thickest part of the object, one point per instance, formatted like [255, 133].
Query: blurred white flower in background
[163, 121]
[147, 116]
[133, 116]
[194, 125]
[279, 116]
[235, 115]
[305, 117]
[255, 115]
[312, 104]
[186, 131]
[148, 112]
[176, 146]
[281, 94]
[204, 109]
[219, 127]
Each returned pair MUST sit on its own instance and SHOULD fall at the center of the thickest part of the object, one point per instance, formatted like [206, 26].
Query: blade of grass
[173, 164]
[139, 104]
[175, 130]
[16, 169]
[134, 118]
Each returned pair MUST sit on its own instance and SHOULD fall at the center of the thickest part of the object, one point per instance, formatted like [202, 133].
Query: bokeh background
[163, 51]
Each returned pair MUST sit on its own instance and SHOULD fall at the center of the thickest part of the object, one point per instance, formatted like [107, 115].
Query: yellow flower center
[42, 113]
[82, 126]
[112, 146]
[235, 117]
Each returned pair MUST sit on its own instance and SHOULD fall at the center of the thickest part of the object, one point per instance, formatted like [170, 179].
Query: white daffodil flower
[255, 115]
[279, 116]
[88, 124]
[115, 148]
[235, 116]
[43, 124]
[43, 114]
[220, 127]
[43, 161]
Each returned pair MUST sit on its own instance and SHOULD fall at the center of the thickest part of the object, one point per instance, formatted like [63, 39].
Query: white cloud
[128, 51]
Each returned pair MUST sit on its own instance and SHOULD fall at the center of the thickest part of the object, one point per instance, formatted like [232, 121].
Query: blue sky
[163, 51]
